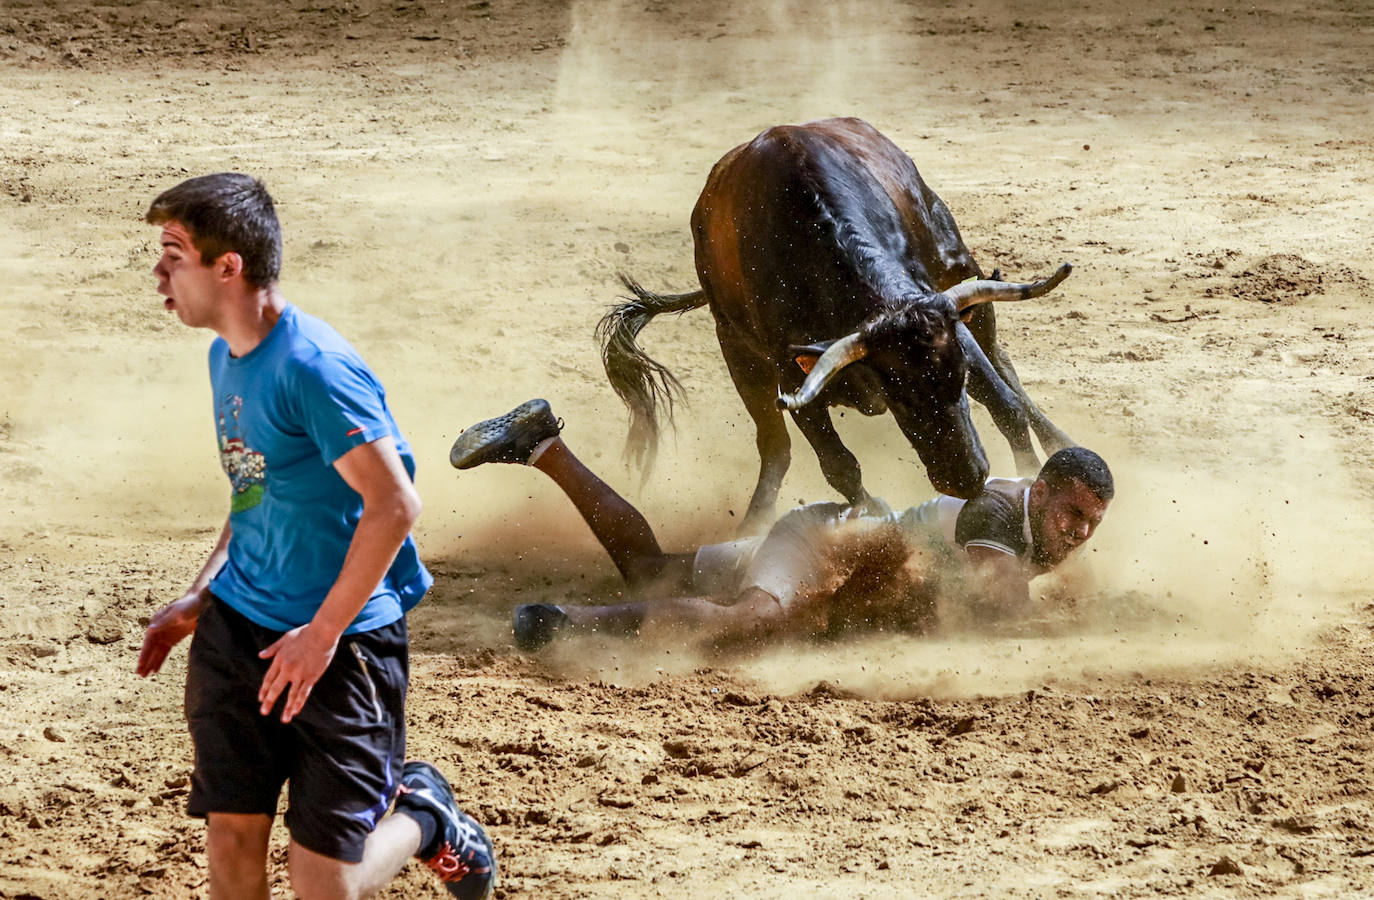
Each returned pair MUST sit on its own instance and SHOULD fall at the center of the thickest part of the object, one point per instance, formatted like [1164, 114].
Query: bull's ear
[807, 354]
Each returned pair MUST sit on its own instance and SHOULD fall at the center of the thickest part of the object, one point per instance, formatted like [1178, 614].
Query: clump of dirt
[1286, 277]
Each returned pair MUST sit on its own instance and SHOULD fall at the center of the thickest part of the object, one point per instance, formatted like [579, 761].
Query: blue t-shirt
[284, 412]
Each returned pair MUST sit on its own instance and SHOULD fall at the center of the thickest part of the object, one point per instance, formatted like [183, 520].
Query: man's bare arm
[390, 508]
[171, 624]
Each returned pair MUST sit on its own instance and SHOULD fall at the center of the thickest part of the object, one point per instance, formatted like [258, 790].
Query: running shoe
[465, 860]
[535, 624]
[510, 438]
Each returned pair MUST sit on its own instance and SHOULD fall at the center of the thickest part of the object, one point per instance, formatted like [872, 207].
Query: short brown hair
[226, 212]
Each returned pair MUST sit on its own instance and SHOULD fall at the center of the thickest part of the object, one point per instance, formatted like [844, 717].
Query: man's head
[1067, 503]
[216, 229]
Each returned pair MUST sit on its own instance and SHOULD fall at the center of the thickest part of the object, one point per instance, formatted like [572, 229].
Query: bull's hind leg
[757, 383]
[983, 325]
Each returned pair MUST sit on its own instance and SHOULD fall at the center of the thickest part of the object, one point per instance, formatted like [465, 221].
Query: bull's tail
[644, 384]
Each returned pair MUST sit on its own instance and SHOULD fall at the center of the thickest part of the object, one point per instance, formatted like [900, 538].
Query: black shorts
[341, 755]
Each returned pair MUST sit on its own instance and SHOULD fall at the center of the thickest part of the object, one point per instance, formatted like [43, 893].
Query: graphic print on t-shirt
[246, 467]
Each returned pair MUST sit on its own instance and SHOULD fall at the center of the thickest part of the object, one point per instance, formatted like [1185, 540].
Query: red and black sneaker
[465, 860]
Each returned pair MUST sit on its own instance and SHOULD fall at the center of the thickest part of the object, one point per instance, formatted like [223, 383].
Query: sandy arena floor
[459, 183]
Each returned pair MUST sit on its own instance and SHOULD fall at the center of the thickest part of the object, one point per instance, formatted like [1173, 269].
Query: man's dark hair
[1082, 465]
[226, 212]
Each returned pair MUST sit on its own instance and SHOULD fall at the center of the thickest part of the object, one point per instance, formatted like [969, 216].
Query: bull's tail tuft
[644, 384]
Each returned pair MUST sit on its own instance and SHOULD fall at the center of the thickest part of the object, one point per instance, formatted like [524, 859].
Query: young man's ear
[1039, 490]
[228, 266]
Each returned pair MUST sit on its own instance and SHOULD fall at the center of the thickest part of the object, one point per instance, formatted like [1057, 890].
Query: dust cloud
[625, 68]
[1195, 567]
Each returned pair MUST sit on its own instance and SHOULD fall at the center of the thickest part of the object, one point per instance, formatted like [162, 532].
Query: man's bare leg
[236, 850]
[427, 824]
[790, 582]
[620, 528]
[389, 847]
[528, 435]
[755, 615]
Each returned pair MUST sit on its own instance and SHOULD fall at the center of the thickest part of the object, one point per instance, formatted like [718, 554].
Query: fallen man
[820, 567]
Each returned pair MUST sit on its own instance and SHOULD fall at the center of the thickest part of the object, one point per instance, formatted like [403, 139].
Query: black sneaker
[508, 439]
[535, 624]
[465, 861]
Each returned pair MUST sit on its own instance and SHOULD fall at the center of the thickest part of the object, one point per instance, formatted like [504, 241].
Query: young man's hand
[299, 658]
[168, 627]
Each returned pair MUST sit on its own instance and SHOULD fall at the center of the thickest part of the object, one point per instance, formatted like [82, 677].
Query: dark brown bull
[820, 249]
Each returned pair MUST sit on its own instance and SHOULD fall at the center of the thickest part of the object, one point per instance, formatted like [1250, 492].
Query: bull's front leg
[1008, 412]
[983, 325]
[1052, 437]
[840, 467]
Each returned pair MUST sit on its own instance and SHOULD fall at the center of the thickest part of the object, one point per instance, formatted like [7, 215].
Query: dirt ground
[459, 183]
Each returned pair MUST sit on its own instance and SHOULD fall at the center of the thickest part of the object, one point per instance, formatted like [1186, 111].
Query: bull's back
[807, 230]
[935, 247]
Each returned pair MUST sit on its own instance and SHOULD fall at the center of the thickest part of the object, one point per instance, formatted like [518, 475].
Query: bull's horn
[846, 350]
[969, 294]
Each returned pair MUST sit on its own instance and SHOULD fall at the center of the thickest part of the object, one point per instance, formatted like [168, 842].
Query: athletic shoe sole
[509, 438]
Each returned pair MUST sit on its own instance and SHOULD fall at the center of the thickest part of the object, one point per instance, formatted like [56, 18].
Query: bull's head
[916, 354]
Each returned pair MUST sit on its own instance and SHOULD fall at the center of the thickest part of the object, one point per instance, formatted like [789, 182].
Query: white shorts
[796, 559]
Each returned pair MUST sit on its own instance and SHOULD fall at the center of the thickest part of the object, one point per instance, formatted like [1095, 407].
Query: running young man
[298, 670]
[820, 567]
